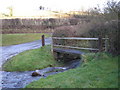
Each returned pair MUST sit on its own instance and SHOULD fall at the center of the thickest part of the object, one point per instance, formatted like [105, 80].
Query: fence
[100, 41]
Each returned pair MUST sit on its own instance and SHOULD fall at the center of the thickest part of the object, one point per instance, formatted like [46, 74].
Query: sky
[29, 7]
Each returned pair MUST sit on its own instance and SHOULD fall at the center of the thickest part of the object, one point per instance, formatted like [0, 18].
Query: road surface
[10, 51]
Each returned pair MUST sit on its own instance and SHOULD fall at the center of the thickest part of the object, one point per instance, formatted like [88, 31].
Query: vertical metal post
[100, 43]
[43, 40]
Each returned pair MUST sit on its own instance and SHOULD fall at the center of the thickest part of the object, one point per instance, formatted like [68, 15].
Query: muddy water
[21, 79]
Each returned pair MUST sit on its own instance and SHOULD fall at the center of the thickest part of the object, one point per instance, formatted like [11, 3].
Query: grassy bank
[31, 60]
[11, 39]
[98, 71]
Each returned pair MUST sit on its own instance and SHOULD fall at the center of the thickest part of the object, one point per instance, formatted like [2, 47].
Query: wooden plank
[75, 38]
[61, 50]
[75, 47]
[100, 40]
[105, 38]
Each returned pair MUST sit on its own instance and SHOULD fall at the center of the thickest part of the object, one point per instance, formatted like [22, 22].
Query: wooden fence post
[106, 43]
[43, 40]
[52, 46]
[100, 46]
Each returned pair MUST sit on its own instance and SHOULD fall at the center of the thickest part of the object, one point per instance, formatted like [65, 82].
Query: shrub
[73, 21]
[109, 29]
[64, 31]
[94, 29]
[113, 35]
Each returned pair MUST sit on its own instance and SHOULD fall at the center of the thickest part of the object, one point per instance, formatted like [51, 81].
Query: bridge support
[43, 40]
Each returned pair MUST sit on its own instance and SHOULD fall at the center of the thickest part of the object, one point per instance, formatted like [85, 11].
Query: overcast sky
[30, 6]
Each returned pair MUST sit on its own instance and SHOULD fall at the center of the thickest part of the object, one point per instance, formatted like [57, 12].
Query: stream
[21, 79]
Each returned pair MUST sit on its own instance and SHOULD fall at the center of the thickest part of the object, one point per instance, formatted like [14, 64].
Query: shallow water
[21, 79]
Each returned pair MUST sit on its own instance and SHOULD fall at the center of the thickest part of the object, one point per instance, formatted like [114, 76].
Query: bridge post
[106, 43]
[100, 45]
[52, 45]
[43, 40]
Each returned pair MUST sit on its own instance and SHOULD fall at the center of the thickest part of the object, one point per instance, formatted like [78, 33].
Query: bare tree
[112, 10]
[41, 8]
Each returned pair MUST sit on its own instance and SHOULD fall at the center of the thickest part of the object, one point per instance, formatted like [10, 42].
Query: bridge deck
[71, 51]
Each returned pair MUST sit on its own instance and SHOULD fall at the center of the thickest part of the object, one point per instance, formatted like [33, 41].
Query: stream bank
[21, 79]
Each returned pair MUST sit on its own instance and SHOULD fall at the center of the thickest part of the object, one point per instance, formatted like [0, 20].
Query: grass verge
[98, 71]
[31, 60]
[11, 39]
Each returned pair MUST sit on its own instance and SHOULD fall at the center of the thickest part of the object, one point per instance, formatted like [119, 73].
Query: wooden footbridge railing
[100, 43]
[59, 49]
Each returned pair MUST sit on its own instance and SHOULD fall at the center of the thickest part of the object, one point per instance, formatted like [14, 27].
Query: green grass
[98, 71]
[11, 39]
[31, 60]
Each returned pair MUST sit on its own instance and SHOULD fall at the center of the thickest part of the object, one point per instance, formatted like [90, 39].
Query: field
[12, 39]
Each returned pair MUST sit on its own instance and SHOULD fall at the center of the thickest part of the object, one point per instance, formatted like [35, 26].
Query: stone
[37, 73]
[50, 65]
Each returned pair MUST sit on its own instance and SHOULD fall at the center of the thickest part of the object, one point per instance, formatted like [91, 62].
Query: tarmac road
[9, 51]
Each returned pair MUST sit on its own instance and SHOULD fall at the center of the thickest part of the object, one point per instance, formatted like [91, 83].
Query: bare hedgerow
[106, 29]
[73, 21]
[64, 31]
[94, 29]
[70, 31]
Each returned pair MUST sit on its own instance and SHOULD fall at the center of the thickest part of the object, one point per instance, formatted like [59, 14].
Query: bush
[109, 29]
[113, 35]
[73, 21]
[64, 31]
[94, 29]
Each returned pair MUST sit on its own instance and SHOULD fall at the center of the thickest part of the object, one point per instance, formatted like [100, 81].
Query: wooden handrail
[75, 47]
[77, 38]
[100, 41]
